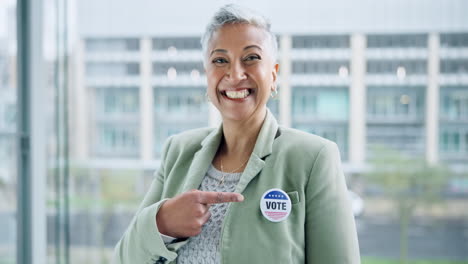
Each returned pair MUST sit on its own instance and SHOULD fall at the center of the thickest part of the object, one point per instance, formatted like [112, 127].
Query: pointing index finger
[219, 197]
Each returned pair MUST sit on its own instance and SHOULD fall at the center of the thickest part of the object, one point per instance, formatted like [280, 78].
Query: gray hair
[235, 14]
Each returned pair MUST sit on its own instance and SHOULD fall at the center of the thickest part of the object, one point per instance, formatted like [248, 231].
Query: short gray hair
[235, 14]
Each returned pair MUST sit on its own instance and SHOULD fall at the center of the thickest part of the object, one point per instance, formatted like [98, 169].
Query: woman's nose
[236, 73]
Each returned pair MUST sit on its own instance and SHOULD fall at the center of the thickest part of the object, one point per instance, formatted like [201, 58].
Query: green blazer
[320, 228]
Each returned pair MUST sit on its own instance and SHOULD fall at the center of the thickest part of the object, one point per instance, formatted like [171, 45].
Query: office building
[400, 82]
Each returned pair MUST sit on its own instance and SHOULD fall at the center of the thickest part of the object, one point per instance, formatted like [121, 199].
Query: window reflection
[113, 45]
[177, 109]
[181, 43]
[396, 40]
[8, 136]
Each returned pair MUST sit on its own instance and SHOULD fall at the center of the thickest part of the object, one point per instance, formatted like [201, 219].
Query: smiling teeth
[237, 94]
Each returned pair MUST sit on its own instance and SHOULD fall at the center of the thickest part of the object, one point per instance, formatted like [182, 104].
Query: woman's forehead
[238, 36]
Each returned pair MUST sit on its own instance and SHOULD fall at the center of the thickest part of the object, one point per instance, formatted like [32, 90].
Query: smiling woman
[249, 191]
[241, 72]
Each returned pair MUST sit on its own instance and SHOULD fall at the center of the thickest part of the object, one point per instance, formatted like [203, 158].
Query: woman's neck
[240, 137]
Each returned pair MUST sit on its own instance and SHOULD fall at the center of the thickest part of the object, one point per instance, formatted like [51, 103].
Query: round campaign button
[275, 205]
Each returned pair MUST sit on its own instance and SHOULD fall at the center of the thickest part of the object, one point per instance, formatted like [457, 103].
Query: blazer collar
[204, 157]
[263, 146]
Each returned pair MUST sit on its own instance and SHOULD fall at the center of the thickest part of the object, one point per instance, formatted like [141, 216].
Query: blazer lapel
[202, 159]
[263, 148]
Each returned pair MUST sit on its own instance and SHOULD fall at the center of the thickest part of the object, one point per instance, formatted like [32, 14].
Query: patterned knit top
[204, 248]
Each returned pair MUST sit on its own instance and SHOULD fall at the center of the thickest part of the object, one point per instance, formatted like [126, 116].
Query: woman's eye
[252, 58]
[219, 61]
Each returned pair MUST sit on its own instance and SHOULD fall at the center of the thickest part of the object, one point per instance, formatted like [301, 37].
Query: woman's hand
[185, 214]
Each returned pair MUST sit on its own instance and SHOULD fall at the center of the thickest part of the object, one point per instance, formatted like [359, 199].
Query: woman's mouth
[237, 94]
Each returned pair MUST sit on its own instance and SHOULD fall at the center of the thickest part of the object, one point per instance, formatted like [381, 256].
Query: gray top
[204, 248]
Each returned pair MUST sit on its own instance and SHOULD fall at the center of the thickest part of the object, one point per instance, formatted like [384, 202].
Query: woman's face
[241, 71]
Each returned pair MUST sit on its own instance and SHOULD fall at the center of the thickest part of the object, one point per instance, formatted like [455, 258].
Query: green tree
[409, 182]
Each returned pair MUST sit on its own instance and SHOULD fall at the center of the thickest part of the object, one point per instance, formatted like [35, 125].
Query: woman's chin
[240, 115]
[236, 116]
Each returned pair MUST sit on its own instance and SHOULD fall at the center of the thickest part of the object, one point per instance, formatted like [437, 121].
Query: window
[456, 40]
[454, 103]
[7, 116]
[405, 137]
[111, 69]
[322, 111]
[397, 41]
[181, 102]
[392, 66]
[319, 67]
[453, 142]
[450, 141]
[337, 133]
[454, 66]
[117, 100]
[164, 130]
[400, 104]
[177, 109]
[116, 84]
[112, 45]
[180, 43]
[320, 41]
[8, 133]
[325, 103]
[117, 140]
[180, 67]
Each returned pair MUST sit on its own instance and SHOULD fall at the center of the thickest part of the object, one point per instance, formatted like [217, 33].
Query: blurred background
[110, 80]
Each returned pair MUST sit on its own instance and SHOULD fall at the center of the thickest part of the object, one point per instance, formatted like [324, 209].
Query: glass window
[117, 140]
[180, 43]
[454, 39]
[114, 152]
[337, 133]
[166, 129]
[326, 103]
[453, 141]
[117, 100]
[399, 103]
[180, 67]
[450, 141]
[111, 69]
[397, 41]
[392, 66]
[318, 67]
[320, 41]
[454, 103]
[8, 136]
[405, 137]
[177, 109]
[181, 102]
[112, 45]
[466, 141]
[454, 66]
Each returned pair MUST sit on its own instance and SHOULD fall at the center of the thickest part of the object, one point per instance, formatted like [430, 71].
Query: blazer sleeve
[142, 242]
[330, 228]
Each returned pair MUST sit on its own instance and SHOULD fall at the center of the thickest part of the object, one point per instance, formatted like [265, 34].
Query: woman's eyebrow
[225, 51]
[252, 46]
[218, 50]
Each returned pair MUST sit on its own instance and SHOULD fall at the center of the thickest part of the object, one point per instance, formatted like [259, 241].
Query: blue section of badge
[277, 195]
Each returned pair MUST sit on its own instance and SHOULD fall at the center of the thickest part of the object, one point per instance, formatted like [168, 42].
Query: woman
[249, 191]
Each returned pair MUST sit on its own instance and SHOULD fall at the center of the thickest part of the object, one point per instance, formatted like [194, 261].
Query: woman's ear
[275, 72]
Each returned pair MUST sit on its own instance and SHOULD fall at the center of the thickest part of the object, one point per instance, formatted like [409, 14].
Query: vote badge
[275, 205]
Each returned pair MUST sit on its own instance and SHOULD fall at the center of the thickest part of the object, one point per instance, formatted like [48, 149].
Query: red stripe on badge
[275, 215]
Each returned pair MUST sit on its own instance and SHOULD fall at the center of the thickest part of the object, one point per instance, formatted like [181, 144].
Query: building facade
[406, 91]
[401, 82]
